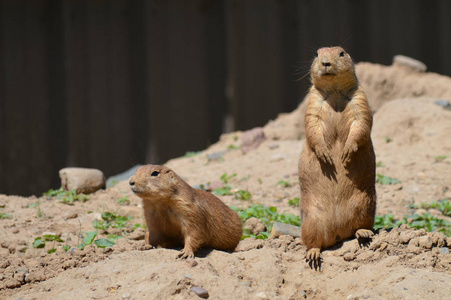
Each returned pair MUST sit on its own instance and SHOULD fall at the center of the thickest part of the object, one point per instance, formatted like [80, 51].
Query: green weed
[385, 180]
[226, 190]
[40, 242]
[284, 183]
[66, 197]
[192, 153]
[124, 200]
[268, 215]
[5, 215]
[440, 158]
[111, 220]
[294, 202]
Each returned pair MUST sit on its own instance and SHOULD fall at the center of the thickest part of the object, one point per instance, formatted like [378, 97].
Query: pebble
[444, 250]
[254, 225]
[70, 215]
[15, 230]
[425, 242]
[216, 155]
[2, 205]
[261, 295]
[443, 103]
[279, 229]
[126, 296]
[199, 291]
[252, 139]
[273, 146]
[138, 234]
[277, 157]
[191, 262]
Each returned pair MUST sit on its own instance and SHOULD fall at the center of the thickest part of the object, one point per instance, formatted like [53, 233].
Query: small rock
[251, 139]
[273, 146]
[138, 234]
[215, 184]
[216, 155]
[2, 205]
[82, 180]
[191, 262]
[261, 295]
[21, 248]
[349, 256]
[126, 296]
[444, 250]
[279, 229]
[412, 63]
[425, 242]
[70, 215]
[199, 291]
[15, 230]
[406, 236]
[254, 225]
[448, 241]
[130, 211]
[443, 103]
[249, 244]
[277, 157]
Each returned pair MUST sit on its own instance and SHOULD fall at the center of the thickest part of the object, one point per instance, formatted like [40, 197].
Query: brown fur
[337, 164]
[178, 215]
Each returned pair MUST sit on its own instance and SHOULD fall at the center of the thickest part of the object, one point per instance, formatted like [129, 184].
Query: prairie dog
[178, 215]
[337, 164]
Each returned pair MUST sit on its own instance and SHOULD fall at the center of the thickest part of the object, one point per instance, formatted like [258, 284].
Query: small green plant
[227, 190]
[5, 216]
[425, 220]
[111, 220]
[66, 197]
[90, 238]
[233, 147]
[37, 205]
[268, 215]
[124, 200]
[386, 221]
[39, 242]
[379, 164]
[243, 195]
[440, 158]
[443, 205]
[284, 183]
[386, 180]
[138, 225]
[192, 153]
[388, 139]
[225, 178]
[294, 202]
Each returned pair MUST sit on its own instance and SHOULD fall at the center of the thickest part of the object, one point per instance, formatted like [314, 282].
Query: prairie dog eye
[342, 53]
[316, 54]
[155, 173]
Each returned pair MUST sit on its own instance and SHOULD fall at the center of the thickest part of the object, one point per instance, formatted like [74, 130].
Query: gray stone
[444, 250]
[216, 155]
[199, 291]
[443, 103]
[409, 62]
[279, 229]
[251, 139]
[82, 180]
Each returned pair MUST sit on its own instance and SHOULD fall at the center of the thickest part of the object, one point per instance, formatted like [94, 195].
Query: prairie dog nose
[131, 181]
[326, 64]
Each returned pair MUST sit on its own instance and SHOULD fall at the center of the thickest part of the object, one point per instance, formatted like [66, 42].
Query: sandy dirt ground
[410, 132]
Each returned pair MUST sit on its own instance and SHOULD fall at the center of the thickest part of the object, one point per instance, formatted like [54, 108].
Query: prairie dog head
[333, 69]
[154, 181]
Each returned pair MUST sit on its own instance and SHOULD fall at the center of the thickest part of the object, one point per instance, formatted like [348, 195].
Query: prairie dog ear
[171, 175]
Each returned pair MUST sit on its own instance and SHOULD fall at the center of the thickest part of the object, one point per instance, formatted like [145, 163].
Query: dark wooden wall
[111, 83]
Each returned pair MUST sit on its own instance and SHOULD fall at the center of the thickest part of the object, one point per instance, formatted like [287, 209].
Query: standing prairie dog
[178, 215]
[337, 164]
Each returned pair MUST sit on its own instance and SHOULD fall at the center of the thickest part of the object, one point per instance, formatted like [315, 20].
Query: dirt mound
[412, 146]
[381, 84]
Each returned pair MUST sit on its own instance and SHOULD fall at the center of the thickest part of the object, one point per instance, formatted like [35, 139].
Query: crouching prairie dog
[337, 163]
[178, 215]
